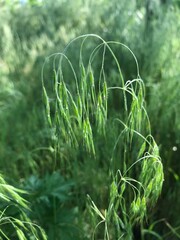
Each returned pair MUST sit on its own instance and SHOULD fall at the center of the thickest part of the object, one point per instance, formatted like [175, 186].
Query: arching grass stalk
[85, 117]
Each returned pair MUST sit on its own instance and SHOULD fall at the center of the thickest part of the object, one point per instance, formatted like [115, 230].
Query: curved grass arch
[83, 116]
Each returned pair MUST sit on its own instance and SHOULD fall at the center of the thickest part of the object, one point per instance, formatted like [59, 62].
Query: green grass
[13, 226]
[81, 118]
[98, 96]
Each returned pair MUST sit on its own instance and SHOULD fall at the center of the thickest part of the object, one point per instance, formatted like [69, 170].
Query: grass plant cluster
[80, 115]
[85, 143]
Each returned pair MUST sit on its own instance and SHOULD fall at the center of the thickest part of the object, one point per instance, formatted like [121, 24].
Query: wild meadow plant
[101, 124]
[14, 221]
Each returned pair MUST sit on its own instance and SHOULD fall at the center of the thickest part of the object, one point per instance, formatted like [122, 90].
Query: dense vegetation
[89, 125]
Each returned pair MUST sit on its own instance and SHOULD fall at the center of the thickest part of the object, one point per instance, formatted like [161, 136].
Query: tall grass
[28, 147]
[79, 109]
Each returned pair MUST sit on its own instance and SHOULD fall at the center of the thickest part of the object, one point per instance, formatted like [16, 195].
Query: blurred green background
[32, 30]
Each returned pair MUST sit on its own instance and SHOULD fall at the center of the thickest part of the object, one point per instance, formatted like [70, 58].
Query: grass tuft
[83, 118]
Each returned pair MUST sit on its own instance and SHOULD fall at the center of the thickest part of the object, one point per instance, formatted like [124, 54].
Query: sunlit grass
[80, 115]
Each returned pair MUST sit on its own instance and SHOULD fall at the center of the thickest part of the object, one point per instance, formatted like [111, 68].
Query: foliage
[29, 146]
[12, 204]
[49, 199]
